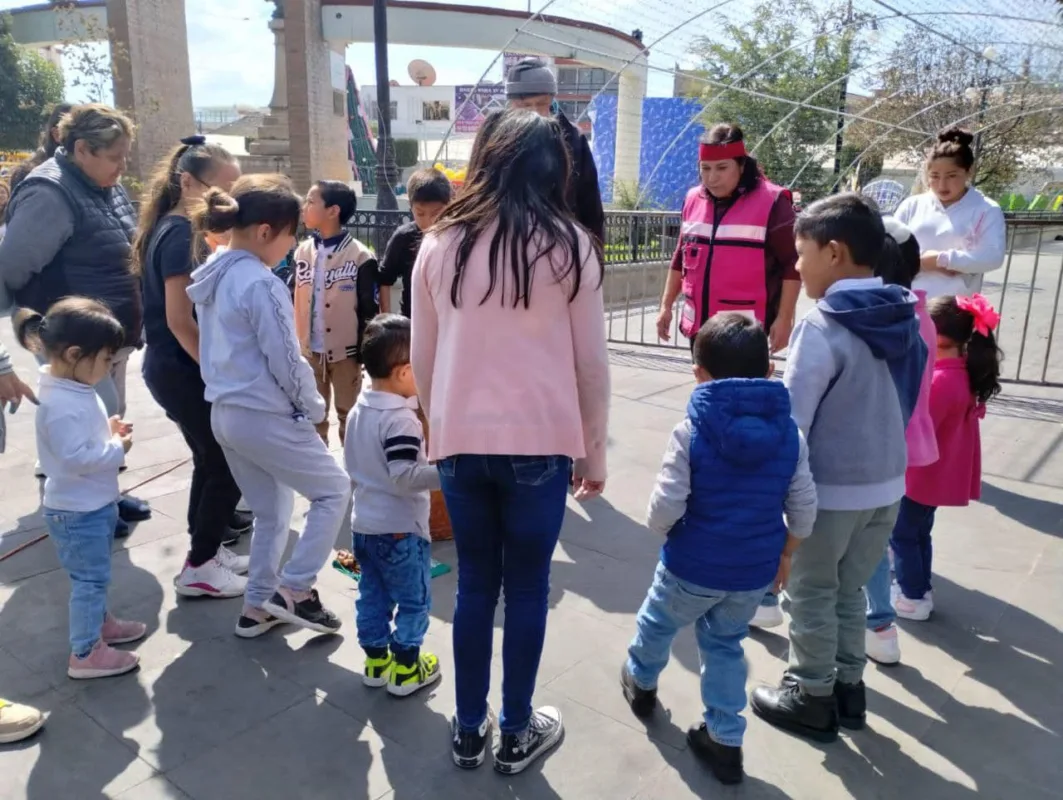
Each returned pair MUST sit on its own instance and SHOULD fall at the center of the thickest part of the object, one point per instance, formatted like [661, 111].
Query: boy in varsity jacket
[335, 297]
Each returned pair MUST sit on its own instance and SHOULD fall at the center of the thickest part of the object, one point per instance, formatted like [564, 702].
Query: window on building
[573, 109]
[568, 78]
[435, 111]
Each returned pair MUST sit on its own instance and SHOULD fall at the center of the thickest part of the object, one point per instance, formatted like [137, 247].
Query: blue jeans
[721, 622]
[396, 576]
[83, 541]
[769, 600]
[506, 512]
[912, 548]
[880, 611]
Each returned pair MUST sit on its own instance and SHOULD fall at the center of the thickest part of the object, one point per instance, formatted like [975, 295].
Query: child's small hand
[115, 425]
[782, 576]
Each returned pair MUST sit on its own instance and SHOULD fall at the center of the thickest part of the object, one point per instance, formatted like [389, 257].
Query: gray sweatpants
[271, 455]
[828, 611]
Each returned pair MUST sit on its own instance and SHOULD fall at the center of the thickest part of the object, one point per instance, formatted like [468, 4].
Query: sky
[231, 51]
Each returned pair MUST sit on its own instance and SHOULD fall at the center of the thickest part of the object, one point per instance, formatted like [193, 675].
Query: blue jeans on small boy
[721, 622]
[83, 541]
[396, 580]
[507, 513]
[912, 548]
[880, 613]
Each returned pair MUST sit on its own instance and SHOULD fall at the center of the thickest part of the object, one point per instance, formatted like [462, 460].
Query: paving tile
[155, 788]
[310, 750]
[204, 697]
[72, 757]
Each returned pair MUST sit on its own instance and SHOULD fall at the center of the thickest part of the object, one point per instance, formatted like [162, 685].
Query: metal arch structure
[848, 25]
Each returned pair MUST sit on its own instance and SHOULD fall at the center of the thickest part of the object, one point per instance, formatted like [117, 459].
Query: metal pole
[386, 171]
[843, 97]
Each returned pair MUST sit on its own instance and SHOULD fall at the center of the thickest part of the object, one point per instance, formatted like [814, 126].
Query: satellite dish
[421, 72]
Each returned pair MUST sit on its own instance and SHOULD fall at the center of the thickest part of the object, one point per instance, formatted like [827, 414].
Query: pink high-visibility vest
[724, 259]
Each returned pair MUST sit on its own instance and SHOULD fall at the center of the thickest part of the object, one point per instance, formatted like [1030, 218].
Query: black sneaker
[241, 521]
[251, 628]
[121, 529]
[470, 747]
[642, 701]
[230, 537]
[852, 704]
[308, 613]
[724, 762]
[132, 509]
[789, 708]
[516, 751]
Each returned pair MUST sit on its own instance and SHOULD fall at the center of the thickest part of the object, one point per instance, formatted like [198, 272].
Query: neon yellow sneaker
[18, 722]
[378, 671]
[407, 679]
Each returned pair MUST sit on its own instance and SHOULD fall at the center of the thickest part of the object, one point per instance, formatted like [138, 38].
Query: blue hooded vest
[95, 261]
[743, 454]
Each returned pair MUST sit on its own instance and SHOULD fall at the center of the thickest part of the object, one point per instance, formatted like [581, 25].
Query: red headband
[719, 152]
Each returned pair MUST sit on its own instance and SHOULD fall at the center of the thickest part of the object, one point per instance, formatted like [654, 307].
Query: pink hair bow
[985, 316]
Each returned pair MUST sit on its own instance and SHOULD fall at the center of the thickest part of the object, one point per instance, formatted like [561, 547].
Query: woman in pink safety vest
[736, 248]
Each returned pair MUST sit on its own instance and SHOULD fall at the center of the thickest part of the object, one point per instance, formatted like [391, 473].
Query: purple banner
[482, 100]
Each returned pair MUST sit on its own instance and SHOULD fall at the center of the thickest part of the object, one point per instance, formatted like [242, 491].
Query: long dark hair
[898, 263]
[194, 156]
[728, 133]
[983, 357]
[518, 173]
[46, 145]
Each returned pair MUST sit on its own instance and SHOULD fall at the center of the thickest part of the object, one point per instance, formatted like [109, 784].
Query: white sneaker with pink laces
[210, 579]
[915, 610]
[120, 631]
[103, 661]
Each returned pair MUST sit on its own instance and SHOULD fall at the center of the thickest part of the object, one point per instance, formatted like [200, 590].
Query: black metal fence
[639, 246]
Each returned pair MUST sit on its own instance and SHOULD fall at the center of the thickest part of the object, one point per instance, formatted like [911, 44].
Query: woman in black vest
[70, 227]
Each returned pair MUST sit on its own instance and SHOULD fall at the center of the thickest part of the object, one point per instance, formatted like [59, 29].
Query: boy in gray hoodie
[853, 371]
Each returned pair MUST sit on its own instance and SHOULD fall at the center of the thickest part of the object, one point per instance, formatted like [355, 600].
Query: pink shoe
[101, 662]
[120, 631]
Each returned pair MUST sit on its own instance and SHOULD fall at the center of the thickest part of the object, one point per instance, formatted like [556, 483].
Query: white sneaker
[231, 561]
[883, 646]
[916, 610]
[211, 579]
[767, 617]
[38, 470]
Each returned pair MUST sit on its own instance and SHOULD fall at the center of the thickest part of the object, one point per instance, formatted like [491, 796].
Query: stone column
[271, 147]
[149, 55]
[317, 112]
[630, 93]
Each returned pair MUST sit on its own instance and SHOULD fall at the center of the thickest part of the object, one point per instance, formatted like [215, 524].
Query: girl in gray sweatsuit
[265, 401]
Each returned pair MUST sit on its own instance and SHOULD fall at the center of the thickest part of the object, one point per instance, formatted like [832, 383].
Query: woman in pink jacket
[511, 366]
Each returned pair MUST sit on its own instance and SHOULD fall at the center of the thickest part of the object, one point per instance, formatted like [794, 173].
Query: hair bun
[195, 140]
[954, 133]
[897, 230]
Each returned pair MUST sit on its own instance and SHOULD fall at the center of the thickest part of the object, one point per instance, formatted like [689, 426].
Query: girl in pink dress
[966, 376]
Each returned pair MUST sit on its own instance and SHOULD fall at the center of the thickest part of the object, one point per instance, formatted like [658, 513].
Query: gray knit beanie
[530, 77]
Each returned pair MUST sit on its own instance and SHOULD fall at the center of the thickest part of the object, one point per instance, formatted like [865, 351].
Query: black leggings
[178, 387]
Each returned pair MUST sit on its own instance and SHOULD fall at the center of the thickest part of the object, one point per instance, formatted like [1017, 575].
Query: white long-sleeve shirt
[74, 443]
[971, 234]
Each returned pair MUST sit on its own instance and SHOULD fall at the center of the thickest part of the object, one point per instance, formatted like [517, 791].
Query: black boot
[642, 701]
[724, 762]
[852, 704]
[789, 708]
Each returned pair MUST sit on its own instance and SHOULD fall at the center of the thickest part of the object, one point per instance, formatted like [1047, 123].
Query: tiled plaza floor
[975, 710]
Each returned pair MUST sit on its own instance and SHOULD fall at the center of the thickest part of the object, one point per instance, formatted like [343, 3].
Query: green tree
[29, 86]
[930, 84]
[790, 50]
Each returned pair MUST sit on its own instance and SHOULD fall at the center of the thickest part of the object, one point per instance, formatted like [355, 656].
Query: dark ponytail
[194, 156]
[898, 263]
[77, 322]
[982, 355]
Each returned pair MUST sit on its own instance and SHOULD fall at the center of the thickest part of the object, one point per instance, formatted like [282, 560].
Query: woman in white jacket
[962, 232]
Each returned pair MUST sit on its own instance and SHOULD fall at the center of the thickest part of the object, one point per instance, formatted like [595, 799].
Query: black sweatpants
[177, 386]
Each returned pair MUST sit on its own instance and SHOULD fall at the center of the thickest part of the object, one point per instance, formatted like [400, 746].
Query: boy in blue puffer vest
[733, 468]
